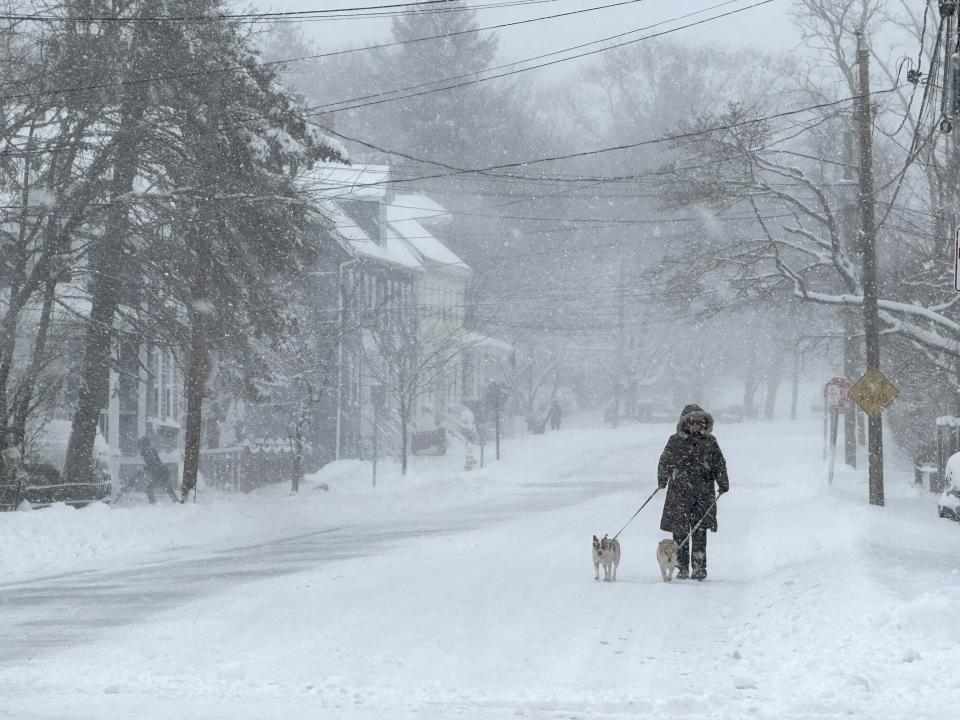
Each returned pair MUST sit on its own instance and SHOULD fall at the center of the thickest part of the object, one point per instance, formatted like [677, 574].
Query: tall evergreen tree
[201, 203]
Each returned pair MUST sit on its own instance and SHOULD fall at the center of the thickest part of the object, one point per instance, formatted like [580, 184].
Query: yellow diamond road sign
[873, 392]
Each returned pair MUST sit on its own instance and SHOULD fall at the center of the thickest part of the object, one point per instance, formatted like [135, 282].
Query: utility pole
[619, 387]
[948, 9]
[946, 216]
[868, 247]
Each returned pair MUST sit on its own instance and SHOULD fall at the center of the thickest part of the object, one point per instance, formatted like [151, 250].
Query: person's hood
[693, 412]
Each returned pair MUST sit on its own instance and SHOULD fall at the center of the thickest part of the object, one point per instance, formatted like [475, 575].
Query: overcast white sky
[767, 27]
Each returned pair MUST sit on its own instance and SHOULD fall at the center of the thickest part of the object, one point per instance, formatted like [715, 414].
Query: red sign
[836, 393]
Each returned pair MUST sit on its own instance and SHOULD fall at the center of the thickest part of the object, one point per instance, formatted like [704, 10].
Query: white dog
[606, 552]
[667, 558]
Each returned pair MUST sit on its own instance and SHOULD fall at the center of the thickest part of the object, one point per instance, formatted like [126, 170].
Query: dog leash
[638, 511]
[699, 522]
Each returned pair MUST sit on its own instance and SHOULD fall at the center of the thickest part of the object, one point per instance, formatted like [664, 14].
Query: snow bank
[61, 538]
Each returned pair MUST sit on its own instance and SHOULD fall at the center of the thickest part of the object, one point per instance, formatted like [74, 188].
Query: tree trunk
[772, 381]
[16, 261]
[297, 474]
[105, 297]
[195, 383]
[18, 427]
[8, 333]
[770, 404]
[200, 308]
[851, 359]
[795, 390]
[750, 387]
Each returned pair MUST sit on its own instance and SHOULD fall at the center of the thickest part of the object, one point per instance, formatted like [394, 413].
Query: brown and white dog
[667, 558]
[606, 552]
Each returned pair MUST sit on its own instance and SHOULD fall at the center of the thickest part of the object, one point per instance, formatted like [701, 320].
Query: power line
[422, 6]
[330, 107]
[613, 221]
[763, 2]
[614, 148]
[233, 68]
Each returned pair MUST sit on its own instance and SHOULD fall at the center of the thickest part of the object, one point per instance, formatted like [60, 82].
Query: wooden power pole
[868, 251]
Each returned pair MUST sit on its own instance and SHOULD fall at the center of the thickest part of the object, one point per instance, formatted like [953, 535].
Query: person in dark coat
[157, 474]
[693, 471]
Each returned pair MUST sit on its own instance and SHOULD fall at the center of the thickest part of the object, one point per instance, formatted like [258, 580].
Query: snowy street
[280, 281]
[491, 610]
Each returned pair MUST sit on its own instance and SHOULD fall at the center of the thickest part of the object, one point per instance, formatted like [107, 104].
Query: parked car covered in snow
[949, 504]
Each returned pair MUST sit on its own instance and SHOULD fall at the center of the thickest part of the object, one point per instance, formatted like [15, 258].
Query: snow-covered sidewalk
[817, 606]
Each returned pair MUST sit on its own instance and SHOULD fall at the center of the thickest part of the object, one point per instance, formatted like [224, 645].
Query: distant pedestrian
[555, 414]
[157, 474]
[693, 470]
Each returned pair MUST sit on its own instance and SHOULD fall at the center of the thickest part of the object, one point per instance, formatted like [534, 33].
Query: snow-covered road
[817, 606]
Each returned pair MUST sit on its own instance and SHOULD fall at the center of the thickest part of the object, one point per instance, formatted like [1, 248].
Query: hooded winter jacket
[692, 469]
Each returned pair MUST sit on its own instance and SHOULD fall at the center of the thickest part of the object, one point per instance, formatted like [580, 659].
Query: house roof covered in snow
[359, 244]
[428, 248]
[419, 207]
[355, 182]
[395, 231]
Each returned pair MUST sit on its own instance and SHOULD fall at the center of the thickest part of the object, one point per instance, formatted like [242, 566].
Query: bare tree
[409, 351]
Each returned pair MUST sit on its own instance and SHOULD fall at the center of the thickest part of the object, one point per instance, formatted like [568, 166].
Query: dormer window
[366, 215]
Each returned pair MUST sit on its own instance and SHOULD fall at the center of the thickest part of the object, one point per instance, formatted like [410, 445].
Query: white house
[379, 228]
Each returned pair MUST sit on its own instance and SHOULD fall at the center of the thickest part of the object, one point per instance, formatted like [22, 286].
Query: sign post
[956, 260]
[496, 395]
[835, 398]
[378, 395]
[874, 392]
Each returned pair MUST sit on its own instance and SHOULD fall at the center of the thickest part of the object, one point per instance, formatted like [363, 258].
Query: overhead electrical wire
[659, 140]
[331, 107]
[917, 143]
[596, 151]
[302, 112]
[316, 56]
[314, 109]
[608, 149]
[423, 6]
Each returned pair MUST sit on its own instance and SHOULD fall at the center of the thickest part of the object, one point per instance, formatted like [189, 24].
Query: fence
[235, 469]
[43, 486]
[242, 469]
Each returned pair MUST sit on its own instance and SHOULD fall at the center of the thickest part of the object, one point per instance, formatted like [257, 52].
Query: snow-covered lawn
[472, 596]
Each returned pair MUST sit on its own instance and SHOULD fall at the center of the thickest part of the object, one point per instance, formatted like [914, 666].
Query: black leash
[638, 511]
[699, 523]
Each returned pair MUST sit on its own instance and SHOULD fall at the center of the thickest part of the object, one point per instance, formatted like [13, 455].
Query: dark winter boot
[699, 555]
[683, 556]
